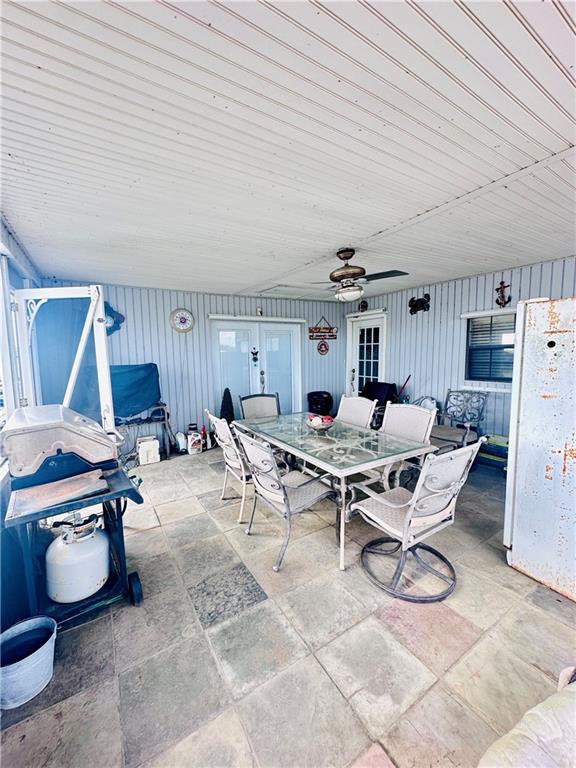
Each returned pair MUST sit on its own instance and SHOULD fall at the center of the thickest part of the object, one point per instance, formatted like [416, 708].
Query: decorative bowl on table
[320, 423]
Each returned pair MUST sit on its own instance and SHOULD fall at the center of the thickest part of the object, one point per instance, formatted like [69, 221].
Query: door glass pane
[277, 365]
[234, 361]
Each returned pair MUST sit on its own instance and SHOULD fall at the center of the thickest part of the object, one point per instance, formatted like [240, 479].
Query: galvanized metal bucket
[26, 660]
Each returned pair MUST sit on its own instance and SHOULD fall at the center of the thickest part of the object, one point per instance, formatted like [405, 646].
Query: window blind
[490, 348]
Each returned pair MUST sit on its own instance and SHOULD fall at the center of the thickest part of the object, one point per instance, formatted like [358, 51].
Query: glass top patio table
[342, 451]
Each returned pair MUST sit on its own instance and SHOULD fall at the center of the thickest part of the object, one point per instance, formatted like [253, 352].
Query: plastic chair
[235, 464]
[287, 495]
[357, 411]
[409, 518]
[258, 406]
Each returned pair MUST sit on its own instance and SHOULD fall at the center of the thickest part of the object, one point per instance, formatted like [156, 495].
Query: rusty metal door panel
[540, 524]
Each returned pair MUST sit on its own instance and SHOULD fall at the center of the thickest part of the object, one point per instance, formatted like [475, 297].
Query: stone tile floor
[230, 665]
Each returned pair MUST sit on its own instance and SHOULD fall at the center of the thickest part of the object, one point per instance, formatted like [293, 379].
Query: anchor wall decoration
[501, 299]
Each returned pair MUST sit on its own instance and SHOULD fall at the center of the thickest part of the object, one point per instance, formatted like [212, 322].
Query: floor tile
[562, 608]
[211, 500]
[476, 598]
[265, 535]
[498, 685]
[356, 582]
[84, 657]
[166, 697]
[156, 573]
[489, 560]
[203, 481]
[305, 559]
[139, 519]
[300, 719]
[205, 558]
[225, 594]
[146, 544]
[182, 533]
[69, 734]
[376, 673]
[486, 506]
[226, 517]
[375, 757]
[160, 621]
[307, 522]
[165, 489]
[178, 510]
[439, 731]
[433, 632]
[321, 610]
[254, 646]
[221, 743]
[535, 637]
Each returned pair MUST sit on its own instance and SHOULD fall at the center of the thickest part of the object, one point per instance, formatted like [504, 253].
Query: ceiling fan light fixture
[349, 292]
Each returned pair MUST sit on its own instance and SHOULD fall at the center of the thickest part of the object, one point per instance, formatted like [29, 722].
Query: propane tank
[78, 561]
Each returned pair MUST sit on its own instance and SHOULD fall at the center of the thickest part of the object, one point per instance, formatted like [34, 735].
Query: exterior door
[366, 340]
[255, 357]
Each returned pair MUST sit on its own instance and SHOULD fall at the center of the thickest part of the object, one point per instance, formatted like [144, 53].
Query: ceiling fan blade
[383, 275]
[323, 282]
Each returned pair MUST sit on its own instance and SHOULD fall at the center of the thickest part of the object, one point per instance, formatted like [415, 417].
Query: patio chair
[233, 458]
[405, 421]
[409, 518]
[357, 411]
[257, 406]
[460, 418]
[287, 495]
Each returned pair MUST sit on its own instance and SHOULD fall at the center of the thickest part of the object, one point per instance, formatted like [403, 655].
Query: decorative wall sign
[501, 299]
[112, 320]
[182, 320]
[322, 330]
[323, 347]
[419, 305]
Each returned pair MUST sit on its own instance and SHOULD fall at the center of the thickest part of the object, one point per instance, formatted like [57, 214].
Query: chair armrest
[313, 480]
[369, 492]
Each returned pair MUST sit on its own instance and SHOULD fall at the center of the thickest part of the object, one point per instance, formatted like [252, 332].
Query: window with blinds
[490, 347]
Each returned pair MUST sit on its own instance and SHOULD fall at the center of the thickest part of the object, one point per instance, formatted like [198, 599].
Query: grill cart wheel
[135, 587]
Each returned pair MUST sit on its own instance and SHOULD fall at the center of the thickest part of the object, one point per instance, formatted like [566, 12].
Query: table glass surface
[344, 447]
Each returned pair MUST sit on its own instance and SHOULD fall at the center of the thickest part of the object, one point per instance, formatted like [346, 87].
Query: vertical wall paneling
[429, 345]
[432, 345]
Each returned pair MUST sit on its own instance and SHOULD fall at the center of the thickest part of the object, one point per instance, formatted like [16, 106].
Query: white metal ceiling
[235, 146]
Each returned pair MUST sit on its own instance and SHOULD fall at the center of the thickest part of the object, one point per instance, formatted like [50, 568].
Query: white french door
[254, 357]
[365, 346]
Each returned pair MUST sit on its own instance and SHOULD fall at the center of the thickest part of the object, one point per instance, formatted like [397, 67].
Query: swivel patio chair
[409, 518]
[258, 406]
[287, 495]
[357, 411]
[233, 458]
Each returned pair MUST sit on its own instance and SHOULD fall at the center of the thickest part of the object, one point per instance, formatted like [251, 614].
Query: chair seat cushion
[389, 519]
[301, 496]
[453, 434]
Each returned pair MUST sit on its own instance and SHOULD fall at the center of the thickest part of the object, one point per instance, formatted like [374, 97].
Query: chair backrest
[441, 480]
[256, 406]
[225, 440]
[464, 405]
[263, 468]
[409, 421]
[357, 411]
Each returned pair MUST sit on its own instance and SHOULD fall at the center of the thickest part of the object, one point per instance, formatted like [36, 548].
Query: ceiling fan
[351, 278]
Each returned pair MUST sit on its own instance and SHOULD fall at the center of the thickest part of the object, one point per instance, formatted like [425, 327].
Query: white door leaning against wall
[365, 345]
[254, 357]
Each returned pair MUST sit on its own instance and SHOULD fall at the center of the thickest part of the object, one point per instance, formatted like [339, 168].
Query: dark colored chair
[320, 403]
[383, 393]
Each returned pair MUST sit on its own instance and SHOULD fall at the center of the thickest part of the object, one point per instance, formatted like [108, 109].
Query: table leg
[342, 520]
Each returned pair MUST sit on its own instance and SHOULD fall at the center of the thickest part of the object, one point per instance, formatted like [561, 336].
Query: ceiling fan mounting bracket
[345, 254]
